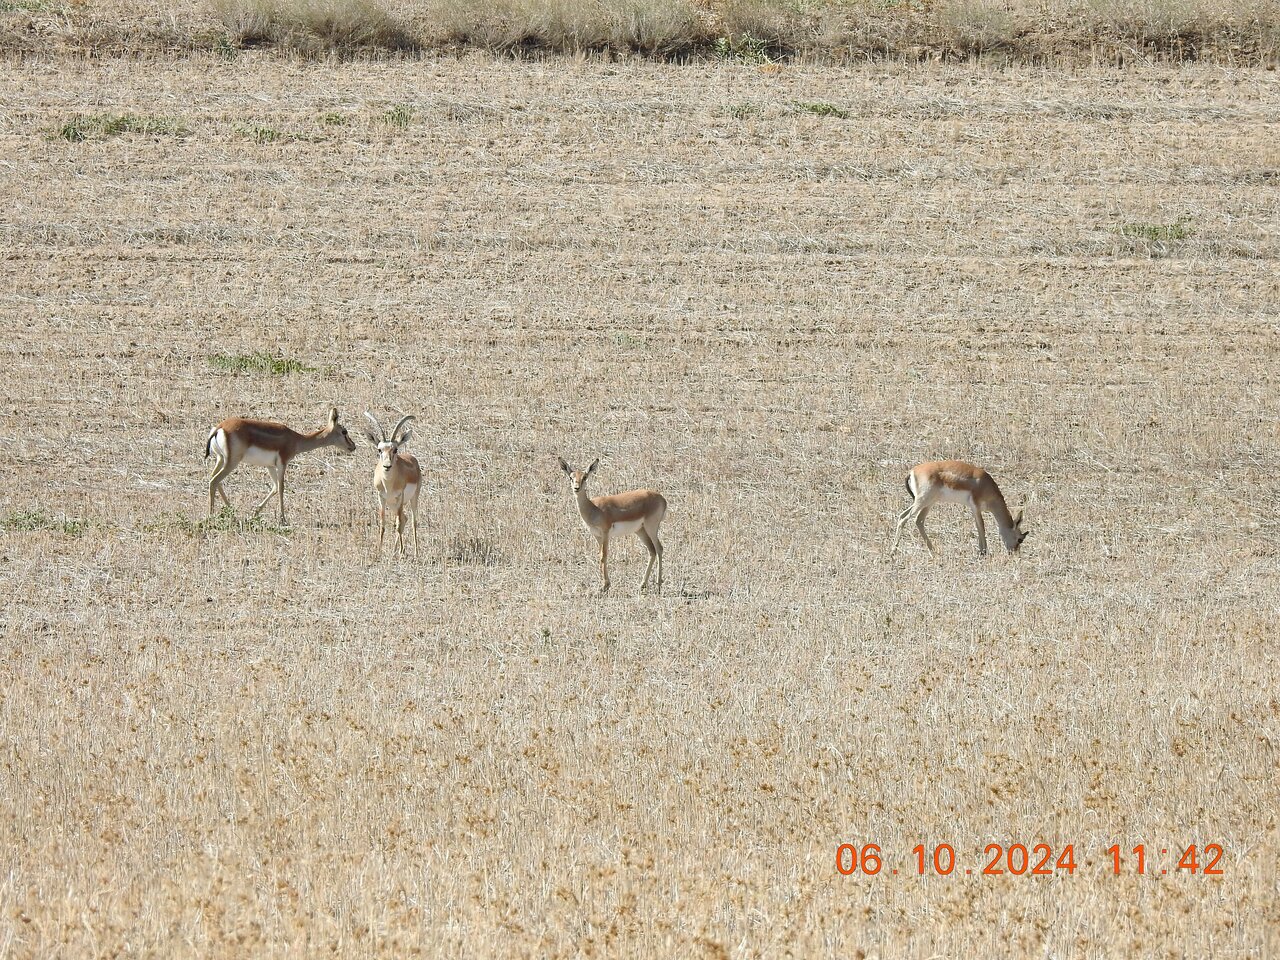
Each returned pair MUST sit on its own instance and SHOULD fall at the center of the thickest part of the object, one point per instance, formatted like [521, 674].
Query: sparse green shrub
[260, 134]
[31, 521]
[28, 6]
[224, 521]
[1179, 229]
[261, 362]
[743, 48]
[397, 116]
[223, 47]
[821, 109]
[99, 126]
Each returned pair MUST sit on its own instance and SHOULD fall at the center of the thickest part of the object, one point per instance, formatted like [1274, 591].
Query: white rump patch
[218, 447]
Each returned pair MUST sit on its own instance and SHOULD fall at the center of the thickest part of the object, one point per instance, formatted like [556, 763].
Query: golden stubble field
[265, 743]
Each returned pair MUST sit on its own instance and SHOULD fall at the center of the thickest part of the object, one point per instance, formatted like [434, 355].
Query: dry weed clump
[659, 28]
[1054, 31]
[313, 25]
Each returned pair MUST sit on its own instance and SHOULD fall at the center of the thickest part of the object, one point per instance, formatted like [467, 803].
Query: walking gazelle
[397, 480]
[271, 445]
[636, 511]
[954, 481]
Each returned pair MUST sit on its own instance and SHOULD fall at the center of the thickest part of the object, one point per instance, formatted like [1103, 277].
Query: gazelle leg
[920, 526]
[382, 524]
[982, 531]
[658, 543]
[903, 519]
[280, 492]
[220, 472]
[275, 484]
[644, 537]
[400, 530]
[604, 562]
[414, 515]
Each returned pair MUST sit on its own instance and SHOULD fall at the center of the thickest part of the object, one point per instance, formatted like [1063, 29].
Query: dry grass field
[766, 292]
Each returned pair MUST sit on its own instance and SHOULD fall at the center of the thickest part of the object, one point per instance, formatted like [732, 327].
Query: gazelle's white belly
[951, 495]
[625, 526]
[260, 457]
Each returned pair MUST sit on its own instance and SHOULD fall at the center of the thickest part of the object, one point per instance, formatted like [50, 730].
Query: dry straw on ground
[764, 292]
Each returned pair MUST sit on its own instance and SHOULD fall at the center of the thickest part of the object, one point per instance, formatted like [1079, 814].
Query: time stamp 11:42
[1032, 860]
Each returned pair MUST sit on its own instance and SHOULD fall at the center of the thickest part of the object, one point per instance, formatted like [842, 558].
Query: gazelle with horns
[636, 511]
[397, 479]
[265, 444]
[954, 481]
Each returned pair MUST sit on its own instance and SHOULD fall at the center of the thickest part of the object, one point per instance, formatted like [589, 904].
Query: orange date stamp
[1034, 860]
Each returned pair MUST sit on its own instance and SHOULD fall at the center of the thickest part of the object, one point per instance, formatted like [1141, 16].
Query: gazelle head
[578, 478]
[387, 449]
[337, 434]
[1016, 534]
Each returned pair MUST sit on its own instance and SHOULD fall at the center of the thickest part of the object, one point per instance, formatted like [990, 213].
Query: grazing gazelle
[265, 444]
[636, 511]
[954, 481]
[397, 480]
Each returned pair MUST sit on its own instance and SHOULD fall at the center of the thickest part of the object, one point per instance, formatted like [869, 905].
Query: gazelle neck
[307, 442]
[589, 511]
[1004, 520]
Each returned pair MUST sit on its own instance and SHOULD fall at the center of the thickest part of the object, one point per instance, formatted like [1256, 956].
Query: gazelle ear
[405, 434]
[333, 416]
[594, 463]
[564, 466]
[1017, 521]
[369, 435]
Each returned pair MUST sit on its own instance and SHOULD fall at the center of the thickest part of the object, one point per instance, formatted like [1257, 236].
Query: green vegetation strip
[261, 362]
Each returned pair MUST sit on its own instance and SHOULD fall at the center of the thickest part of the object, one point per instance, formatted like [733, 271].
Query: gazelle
[954, 481]
[637, 511]
[397, 480]
[265, 444]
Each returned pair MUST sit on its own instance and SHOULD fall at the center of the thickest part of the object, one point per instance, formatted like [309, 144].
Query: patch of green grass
[99, 126]
[263, 134]
[31, 521]
[744, 111]
[397, 116]
[28, 6]
[627, 341]
[260, 134]
[334, 119]
[823, 109]
[224, 521]
[173, 521]
[1161, 233]
[262, 362]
